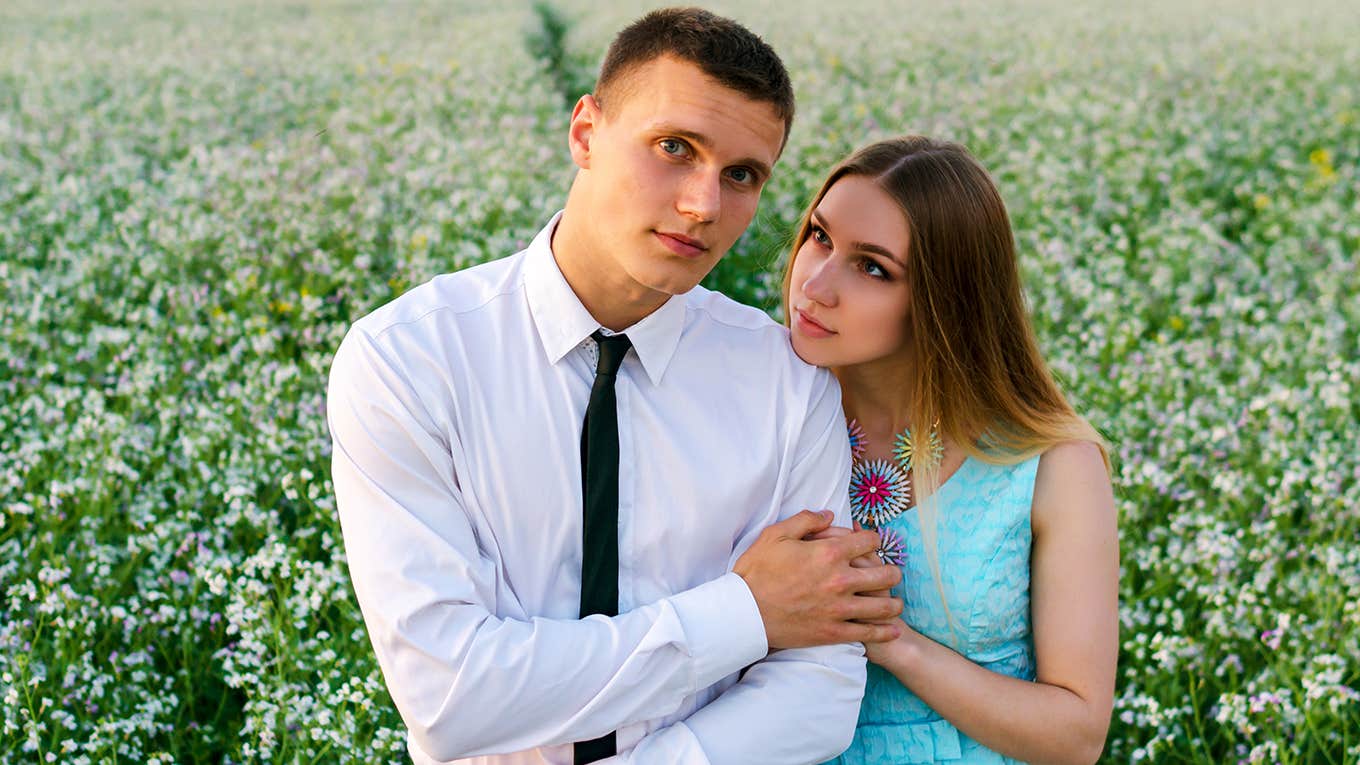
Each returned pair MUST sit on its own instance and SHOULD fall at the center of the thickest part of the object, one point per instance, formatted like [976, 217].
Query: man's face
[674, 173]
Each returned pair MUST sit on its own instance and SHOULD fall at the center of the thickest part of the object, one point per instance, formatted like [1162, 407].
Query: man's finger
[858, 543]
[803, 524]
[869, 633]
[873, 579]
[871, 609]
[867, 561]
[830, 532]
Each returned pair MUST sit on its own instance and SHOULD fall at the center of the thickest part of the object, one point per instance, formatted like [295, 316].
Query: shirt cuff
[723, 628]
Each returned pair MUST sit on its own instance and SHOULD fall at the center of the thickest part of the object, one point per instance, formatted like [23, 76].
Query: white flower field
[197, 198]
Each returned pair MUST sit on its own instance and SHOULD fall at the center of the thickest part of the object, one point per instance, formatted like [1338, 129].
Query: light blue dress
[984, 546]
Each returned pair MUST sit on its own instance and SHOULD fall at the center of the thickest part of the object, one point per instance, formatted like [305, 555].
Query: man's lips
[681, 244]
[810, 326]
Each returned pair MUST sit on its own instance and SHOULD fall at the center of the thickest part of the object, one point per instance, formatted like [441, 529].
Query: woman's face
[848, 296]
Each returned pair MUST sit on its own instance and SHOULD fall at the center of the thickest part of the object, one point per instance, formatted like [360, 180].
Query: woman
[989, 490]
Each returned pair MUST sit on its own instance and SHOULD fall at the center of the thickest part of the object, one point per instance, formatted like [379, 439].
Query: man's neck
[610, 296]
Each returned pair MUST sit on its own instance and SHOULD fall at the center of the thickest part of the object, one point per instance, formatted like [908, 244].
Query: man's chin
[674, 283]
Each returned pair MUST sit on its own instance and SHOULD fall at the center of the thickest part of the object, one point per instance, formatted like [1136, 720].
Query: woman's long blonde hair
[976, 366]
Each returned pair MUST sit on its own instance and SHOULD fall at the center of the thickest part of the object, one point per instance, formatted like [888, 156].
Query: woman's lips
[809, 326]
[681, 244]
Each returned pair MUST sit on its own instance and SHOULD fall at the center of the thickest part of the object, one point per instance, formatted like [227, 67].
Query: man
[542, 589]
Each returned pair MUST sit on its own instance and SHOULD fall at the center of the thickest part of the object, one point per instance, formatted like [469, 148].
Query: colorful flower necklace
[881, 490]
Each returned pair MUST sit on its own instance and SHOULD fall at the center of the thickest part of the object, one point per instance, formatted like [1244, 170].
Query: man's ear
[585, 118]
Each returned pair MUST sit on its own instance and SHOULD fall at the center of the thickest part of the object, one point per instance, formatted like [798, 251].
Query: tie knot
[612, 350]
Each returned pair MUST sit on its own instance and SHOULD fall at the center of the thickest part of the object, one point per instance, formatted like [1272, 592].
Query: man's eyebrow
[861, 246]
[762, 169]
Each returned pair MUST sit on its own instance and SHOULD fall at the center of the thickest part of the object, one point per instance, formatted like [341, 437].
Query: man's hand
[808, 591]
[867, 560]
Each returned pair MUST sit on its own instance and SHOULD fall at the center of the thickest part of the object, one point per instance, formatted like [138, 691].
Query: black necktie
[600, 519]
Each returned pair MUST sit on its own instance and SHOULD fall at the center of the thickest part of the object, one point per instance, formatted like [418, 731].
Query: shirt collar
[563, 322]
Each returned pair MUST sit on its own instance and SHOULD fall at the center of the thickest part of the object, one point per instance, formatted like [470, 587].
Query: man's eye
[672, 147]
[742, 175]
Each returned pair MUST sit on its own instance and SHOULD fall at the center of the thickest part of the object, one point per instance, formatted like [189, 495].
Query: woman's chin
[809, 352]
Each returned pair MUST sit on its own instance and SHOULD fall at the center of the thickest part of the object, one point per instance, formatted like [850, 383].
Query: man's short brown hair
[723, 49]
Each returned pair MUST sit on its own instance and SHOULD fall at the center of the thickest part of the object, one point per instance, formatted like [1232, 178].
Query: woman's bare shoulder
[1072, 484]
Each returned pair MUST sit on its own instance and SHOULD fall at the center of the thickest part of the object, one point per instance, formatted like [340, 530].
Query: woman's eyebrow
[861, 246]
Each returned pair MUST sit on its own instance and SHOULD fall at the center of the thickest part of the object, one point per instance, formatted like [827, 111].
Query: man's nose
[701, 196]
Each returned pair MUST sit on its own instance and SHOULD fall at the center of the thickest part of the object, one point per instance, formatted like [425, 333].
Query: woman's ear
[585, 117]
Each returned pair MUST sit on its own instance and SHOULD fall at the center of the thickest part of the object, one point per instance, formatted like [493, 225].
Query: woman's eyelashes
[872, 268]
[864, 263]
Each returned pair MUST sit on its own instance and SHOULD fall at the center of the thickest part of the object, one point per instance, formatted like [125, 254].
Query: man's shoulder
[459, 292]
[746, 337]
[724, 313]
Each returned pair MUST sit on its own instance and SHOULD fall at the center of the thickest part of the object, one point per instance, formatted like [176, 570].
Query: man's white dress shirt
[456, 416]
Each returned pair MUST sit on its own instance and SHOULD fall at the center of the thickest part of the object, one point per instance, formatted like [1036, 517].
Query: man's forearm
[504, 685]
[795, 706]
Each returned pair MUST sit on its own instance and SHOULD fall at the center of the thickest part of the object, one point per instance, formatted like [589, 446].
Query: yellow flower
[1321, 160]
[1261, 201]
[419, 241]
[1177, 323]
[1346, 118]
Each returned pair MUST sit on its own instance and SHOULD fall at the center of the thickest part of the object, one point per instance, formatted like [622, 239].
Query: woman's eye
[819, 236]
[873, 269]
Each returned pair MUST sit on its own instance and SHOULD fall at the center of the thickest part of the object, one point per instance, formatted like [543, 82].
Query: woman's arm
[1064, 715]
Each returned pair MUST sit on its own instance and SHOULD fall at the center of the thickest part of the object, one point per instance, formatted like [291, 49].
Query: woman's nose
[820, 284]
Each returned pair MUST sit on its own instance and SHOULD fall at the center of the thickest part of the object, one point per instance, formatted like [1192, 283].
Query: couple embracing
[594, 512]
